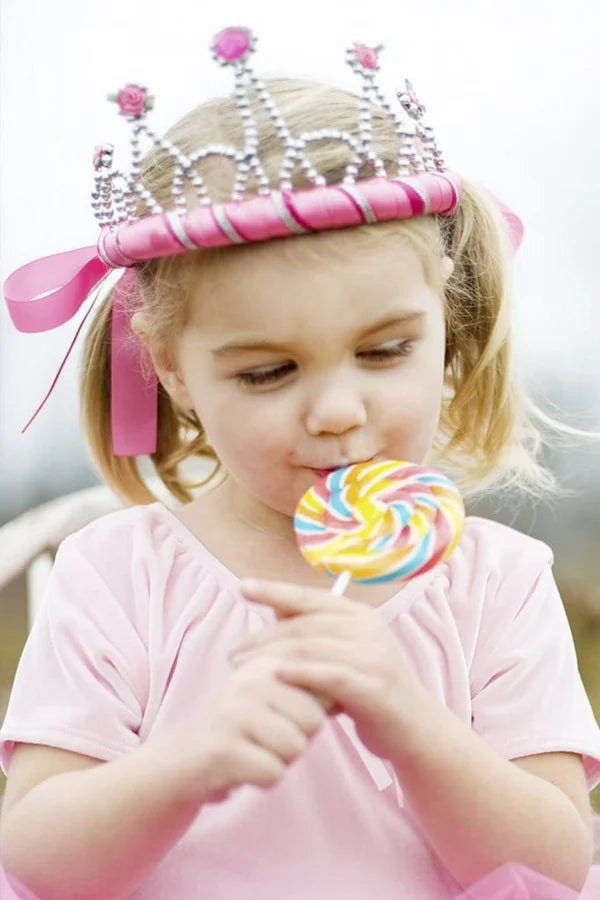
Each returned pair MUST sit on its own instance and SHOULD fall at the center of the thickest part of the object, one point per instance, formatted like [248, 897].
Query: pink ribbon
[133, 399]
[46, 293]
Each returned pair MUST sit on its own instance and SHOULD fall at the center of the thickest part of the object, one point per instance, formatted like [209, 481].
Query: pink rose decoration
[366, 56]
[132, 100]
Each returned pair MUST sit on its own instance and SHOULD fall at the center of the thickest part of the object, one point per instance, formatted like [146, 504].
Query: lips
[321, 473]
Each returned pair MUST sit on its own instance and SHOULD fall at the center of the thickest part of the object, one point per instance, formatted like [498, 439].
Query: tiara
[117, 193]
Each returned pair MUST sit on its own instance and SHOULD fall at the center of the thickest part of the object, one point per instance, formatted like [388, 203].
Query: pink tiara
[116, 191]
[418, 184]
[47, 292]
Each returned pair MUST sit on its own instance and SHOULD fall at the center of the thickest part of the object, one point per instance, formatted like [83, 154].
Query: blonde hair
[489, 434]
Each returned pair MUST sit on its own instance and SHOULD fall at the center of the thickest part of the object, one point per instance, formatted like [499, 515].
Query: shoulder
[130, 536]
[117, 526]
[488, 546]
[493, 572]
[139, 552]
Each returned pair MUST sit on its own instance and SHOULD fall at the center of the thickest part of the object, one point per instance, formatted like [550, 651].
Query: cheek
[410, 409]
[239, 426]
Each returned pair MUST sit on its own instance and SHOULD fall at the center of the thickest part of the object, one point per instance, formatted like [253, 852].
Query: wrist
[185, 769]
[418, 726]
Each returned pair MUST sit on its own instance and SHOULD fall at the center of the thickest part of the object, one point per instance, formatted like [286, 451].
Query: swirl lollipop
[378, 521]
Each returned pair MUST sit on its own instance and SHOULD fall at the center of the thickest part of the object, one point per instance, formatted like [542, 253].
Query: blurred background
[511, 90]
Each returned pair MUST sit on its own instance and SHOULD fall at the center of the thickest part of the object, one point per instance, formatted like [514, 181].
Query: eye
[388, 351]
[266, 375]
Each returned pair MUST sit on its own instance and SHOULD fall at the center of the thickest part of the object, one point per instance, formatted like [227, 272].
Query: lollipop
[379, 521]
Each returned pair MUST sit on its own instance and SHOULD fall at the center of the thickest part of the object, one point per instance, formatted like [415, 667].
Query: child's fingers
[288, 648]
[299, 627]
[340, 683]
[293, 599]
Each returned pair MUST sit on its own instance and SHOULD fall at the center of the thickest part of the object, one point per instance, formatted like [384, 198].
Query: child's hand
[341, 650]
[249, 734]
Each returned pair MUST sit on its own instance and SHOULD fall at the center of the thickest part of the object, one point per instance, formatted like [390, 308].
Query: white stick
[341, 583]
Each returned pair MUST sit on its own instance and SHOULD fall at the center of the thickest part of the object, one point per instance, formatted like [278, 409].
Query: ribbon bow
[46, 293]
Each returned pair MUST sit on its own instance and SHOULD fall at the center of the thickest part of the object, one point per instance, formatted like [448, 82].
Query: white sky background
[511, 89]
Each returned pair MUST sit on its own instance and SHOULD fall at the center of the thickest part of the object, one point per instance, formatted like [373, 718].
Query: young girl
[177, 732]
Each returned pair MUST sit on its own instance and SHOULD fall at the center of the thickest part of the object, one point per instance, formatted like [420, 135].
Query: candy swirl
[379, 521]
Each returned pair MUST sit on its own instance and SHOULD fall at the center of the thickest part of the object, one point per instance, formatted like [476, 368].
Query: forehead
[280, 283]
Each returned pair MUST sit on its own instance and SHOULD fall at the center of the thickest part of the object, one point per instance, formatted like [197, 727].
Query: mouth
[321, 473]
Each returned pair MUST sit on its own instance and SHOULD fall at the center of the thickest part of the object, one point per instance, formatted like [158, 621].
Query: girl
[179, 729]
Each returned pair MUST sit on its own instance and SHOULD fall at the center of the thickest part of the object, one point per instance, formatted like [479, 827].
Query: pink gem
[98, 157]
[231, 43]
[367, 56]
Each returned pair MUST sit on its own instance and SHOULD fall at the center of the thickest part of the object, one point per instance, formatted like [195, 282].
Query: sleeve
[527, 694]
[82, 680]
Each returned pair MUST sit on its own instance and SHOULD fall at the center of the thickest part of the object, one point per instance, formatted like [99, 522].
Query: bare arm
[95, 829]
[479, 810]
[74, 827]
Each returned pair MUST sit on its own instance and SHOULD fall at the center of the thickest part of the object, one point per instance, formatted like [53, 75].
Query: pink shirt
[133, 637]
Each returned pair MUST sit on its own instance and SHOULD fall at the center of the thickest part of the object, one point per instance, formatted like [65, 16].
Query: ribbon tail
[381, 771]
[62, 365]
[46, 293]
[133, 397]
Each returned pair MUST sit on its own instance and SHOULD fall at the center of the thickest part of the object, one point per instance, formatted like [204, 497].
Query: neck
[255, 515]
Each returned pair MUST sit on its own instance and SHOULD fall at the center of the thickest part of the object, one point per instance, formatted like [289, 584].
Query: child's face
[297, 362]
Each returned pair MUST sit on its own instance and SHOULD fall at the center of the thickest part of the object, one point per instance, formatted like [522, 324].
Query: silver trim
[175, 223]
[102, 251]
[361, 202]
[457, 190]
[221, 217]
[100, 246]
[286, 215]
[424, 197]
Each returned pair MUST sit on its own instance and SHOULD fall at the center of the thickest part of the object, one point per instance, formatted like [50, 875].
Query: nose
[335, 408]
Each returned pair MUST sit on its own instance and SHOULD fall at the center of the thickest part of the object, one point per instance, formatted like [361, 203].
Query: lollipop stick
[341, 583]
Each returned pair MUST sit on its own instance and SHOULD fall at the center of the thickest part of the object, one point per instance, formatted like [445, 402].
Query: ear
[169, 375]
[447, 267]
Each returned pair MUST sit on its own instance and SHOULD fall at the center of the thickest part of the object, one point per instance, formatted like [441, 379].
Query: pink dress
[133, 637]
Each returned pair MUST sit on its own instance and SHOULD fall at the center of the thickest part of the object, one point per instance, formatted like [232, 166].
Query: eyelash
[266, 376]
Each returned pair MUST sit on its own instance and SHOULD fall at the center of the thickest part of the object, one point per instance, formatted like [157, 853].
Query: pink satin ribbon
[47, 292]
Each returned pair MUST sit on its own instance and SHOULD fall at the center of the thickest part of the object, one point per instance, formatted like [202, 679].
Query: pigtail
[487, 424]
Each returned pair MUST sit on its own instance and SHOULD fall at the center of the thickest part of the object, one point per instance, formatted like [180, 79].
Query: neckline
[398, 603]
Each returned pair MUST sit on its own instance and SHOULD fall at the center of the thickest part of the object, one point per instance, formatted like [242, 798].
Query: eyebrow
[381, 325]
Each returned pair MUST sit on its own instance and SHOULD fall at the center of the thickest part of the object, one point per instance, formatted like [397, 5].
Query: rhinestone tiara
[116, 192]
